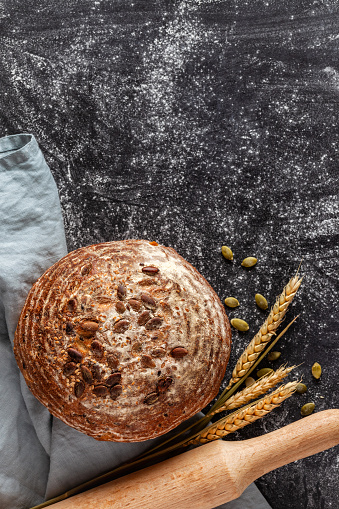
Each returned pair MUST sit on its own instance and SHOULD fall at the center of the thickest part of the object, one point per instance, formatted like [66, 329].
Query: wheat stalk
[264, 384]
[267, 330]
[245, 416]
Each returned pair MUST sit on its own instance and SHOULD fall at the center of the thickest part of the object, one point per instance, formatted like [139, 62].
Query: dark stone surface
[197, 124]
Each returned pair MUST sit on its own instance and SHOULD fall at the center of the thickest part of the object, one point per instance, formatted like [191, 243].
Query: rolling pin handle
[305, 437]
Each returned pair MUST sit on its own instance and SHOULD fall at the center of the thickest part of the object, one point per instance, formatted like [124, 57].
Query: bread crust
[123, 340]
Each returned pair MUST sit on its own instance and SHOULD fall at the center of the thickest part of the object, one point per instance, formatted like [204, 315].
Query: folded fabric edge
[16, 149]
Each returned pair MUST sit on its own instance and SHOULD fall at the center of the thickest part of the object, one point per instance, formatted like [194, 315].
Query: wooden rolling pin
[212, 474]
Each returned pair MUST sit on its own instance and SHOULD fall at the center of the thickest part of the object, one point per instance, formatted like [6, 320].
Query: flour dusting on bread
[123, 340]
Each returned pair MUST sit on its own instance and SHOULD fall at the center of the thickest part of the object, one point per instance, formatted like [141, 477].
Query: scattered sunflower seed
[231, 302]
[150, 399]
[273, 356]
[301, 388]
[227, 252]
[261, 301]
[239, 324]
[250, 261]
[316, 370]
[264, 371]
[307, 409]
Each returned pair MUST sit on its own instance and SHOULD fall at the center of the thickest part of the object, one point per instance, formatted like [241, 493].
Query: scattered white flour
[197, 124]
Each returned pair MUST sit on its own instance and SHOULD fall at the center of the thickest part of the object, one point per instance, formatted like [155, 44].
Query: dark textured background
[197, 124]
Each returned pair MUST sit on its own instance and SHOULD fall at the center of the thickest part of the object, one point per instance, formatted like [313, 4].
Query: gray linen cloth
[41, 457]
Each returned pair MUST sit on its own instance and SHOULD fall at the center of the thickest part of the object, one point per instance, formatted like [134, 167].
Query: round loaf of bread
[123, 340]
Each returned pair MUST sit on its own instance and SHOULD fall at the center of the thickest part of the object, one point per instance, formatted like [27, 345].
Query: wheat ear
[255, 390]
[267, 330]
[244, 416]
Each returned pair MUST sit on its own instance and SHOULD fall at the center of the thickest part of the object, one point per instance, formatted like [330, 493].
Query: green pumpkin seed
[231, 302]
[264, 371]
[250, 261]
[307, 409]
[261, 301]
[239, 324]
[249, 381]
[227, 252]
[273, 356]
[301, 388]
[316, 370]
